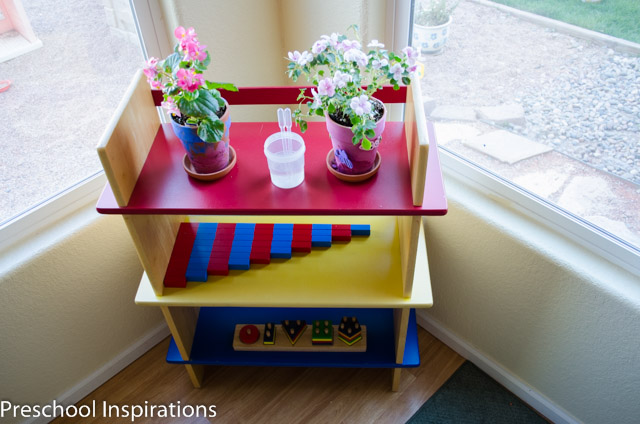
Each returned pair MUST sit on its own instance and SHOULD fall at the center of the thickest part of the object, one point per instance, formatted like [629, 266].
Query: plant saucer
[352, 178]
[186, 163]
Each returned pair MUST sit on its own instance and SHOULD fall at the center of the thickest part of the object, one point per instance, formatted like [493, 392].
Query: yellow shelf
[364, 273]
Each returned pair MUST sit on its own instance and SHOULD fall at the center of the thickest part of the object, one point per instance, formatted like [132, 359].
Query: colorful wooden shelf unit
[380, 278]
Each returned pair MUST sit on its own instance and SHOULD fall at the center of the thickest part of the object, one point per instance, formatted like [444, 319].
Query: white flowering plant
[345, 77]
[188, 97]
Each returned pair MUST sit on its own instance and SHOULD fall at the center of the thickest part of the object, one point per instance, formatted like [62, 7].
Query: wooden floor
[280, 395]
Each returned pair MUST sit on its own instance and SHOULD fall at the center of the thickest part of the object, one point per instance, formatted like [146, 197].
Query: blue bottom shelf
[212, 344]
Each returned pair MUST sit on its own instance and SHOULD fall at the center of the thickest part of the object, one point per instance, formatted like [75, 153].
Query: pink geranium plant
[339, 68]
[189, 98]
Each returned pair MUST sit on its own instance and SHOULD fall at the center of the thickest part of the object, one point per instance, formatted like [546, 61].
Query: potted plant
[200, 116]
[431, 22]
[345, 77]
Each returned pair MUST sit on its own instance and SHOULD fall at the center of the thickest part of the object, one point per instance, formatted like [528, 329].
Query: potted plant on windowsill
[431, 22]
[346, 77]
[200, 117]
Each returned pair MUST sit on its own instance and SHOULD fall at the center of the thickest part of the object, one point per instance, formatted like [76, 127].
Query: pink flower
[361, 105]
[411, 69]
[171, 106]
[189, 80]
[156, 84]
[195, 51]
[151, 68]
[326, 87]
[185, 35]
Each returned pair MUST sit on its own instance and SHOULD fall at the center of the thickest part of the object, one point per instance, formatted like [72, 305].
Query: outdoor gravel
[581, 98]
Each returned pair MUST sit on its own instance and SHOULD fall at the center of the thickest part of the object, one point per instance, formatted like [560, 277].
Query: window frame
[150, 29]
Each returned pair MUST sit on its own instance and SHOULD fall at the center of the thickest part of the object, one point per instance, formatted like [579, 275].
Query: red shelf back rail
[287, 95]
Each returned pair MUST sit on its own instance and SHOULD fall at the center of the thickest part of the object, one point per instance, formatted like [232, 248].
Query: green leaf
[319, 112]
[355, 120]
[221, 85]
[406, 80]
[366, 144]
[211, 130]
[204, 105]
[303, 126]
[369, 134]
[301, 96]
[172, 62]
[332, 108]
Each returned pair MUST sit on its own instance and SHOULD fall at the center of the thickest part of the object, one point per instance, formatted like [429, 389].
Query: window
[545, 112]
[72, 63]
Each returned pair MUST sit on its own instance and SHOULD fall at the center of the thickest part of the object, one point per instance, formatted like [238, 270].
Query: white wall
[66, 307]
[540, 307]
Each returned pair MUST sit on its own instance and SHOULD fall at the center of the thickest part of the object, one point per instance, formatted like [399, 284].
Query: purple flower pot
[361, 160]
[206, 158]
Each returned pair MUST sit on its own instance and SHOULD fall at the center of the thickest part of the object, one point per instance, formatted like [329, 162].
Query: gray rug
[469, 397]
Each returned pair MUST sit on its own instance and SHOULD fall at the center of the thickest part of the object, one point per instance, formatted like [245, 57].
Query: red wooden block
[226, 226]
[302, 227]
[301, 246]
[179, 260]
[341, 227]
[263, 227]
[260, 257]
[263, 237]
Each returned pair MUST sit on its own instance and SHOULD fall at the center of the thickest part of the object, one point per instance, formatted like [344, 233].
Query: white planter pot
[430, 40]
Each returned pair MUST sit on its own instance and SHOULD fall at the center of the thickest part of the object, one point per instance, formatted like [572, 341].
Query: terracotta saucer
[186, 163]
[352, 178]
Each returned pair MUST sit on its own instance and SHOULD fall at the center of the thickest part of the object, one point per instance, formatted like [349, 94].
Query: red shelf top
[163, 186]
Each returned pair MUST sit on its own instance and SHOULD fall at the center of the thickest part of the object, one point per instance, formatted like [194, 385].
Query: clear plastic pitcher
[285, 156]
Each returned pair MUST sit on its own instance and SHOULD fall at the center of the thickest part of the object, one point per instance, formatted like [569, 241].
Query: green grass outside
[619, 18]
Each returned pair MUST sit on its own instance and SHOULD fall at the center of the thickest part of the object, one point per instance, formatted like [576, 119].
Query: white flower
[294, 56]
[319, 46]
[411, 54]
[341, 79]
[317, 101]
[347, 45]
[305, 57]
[396, 70]
[332, 40]
[361, 105]
[377, 64]
[300, 58]
[355, 55]
[326, 87]
[375, 44]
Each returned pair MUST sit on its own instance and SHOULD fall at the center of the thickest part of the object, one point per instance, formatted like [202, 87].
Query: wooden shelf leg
[401, 325]
[395, 380]
[153, 237]
[182, 323]
[409, 233]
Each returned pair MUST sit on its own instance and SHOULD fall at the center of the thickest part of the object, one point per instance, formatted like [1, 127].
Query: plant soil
[343, 119]
[182, 120]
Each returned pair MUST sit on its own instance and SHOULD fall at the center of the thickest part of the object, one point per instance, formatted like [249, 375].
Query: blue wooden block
[320, 233]
[239, 261]
[245, 227]
[245, 237]
[322, 243]
[320, 227]
[360, 230]
[208, 227]
[281, 255]
[282, 227]
[241, 243]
